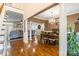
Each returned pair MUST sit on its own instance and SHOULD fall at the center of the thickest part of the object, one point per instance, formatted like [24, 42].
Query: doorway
[14, 28]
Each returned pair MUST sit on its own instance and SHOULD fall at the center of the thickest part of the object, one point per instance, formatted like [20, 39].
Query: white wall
[34, 26]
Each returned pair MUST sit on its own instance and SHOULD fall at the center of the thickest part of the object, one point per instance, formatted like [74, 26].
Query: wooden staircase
[2, 30]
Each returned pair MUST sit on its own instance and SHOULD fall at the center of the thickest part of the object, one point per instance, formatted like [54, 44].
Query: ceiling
[31, 9]
[71, 8]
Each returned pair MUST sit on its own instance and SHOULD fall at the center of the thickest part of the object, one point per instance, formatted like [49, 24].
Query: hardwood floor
[32, 48]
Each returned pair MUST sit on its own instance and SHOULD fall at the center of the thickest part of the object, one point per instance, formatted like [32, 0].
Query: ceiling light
[52, 20]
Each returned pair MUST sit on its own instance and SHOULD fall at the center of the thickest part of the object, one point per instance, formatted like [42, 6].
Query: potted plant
[72, 44]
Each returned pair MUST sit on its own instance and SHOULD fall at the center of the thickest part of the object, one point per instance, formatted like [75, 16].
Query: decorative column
[25, 32]
[30, 31]
[62, 31]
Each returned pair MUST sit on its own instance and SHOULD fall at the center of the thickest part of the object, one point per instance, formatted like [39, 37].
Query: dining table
[49, 35]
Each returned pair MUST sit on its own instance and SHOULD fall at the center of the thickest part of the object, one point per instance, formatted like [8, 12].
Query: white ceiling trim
[40, 18]
[75, 12]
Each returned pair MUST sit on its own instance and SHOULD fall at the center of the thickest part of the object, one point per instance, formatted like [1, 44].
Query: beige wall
[19, 5]
[48, 26]
[31, 8]
[16, 5]
[45, 22]
[53, 26]
[71, 19]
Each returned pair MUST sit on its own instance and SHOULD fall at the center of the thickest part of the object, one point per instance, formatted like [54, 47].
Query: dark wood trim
[45, 9]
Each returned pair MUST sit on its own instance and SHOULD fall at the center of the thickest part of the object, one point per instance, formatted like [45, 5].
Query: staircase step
[1, 47]
[1, 39]
[1, 42]
[1, 52]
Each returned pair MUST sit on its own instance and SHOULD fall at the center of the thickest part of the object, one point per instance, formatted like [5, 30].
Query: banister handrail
[1, 8]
